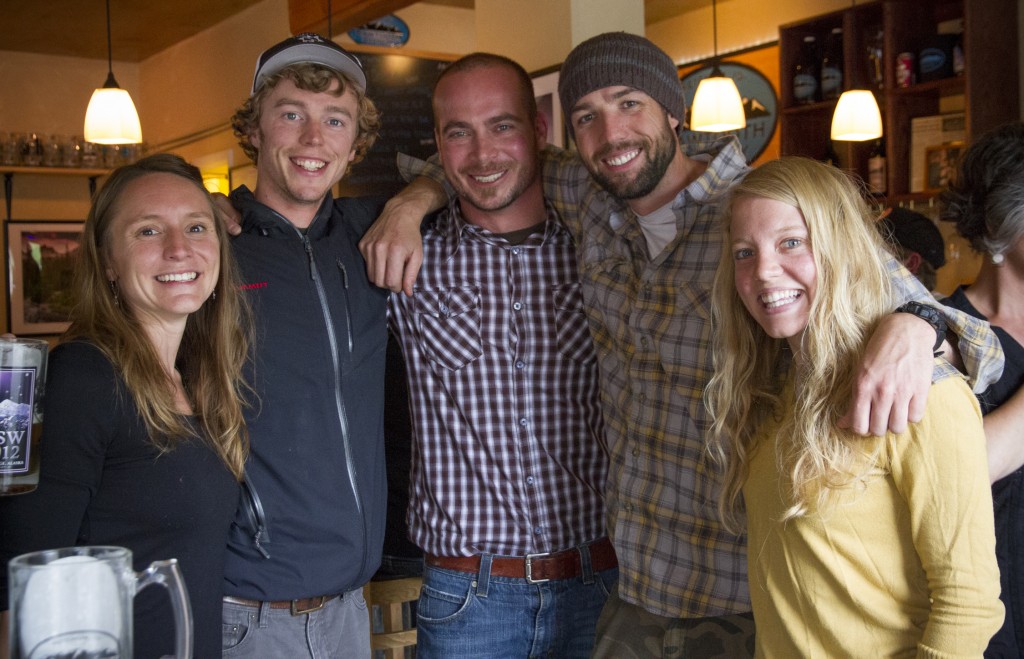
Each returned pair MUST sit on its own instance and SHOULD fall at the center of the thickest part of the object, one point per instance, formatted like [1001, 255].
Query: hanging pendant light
[857, 117]
[111, 117]
[717, 106]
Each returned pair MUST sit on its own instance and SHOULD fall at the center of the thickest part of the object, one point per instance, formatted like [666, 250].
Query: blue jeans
[340, 630]
[477, 615]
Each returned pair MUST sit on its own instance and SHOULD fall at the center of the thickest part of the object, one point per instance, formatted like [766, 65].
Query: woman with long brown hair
[144, 441]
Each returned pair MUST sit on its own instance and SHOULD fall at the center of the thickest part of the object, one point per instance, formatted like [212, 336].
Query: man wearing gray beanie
[645, 217]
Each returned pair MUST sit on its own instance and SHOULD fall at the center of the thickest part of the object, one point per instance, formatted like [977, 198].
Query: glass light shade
[717, 106]
[216, 183]
[857, 118]
[111, 118]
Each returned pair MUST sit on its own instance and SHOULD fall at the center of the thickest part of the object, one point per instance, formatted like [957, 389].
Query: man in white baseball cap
[310, 521]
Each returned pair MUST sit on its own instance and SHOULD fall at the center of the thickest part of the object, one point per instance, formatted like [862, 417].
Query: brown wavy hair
[313, 78]
[212, 351]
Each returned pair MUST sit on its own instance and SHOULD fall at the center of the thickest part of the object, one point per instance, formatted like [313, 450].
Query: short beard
[664, 148]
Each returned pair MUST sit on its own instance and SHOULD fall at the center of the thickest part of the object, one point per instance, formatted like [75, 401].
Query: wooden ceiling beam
[311, 15]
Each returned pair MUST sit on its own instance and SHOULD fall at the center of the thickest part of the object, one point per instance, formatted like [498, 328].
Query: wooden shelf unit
[989, 84]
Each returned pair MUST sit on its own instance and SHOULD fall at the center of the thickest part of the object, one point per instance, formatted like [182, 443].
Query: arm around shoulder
[393, 247]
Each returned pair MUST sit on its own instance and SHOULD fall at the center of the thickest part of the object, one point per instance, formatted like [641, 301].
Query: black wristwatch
[930, 315]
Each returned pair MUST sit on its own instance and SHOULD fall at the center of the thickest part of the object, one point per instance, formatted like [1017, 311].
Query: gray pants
[340, 630]
[627, 631]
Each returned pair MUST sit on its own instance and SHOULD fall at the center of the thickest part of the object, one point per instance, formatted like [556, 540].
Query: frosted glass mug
[77, 602]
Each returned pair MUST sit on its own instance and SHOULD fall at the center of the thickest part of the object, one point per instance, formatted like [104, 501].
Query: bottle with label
[805, 74]
[832, 65]
[877, 172]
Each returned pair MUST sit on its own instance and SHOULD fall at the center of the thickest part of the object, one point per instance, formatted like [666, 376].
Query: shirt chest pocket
[448, 325]
[571, 325]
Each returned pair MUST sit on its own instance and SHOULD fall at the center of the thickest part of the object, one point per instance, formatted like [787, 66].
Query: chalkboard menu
[400, 86]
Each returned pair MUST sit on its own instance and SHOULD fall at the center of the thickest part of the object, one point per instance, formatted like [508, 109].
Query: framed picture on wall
[545, 88]
[40, 270]
[940, 165]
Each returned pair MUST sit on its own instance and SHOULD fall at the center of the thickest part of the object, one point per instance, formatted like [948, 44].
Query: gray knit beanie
[620, 58]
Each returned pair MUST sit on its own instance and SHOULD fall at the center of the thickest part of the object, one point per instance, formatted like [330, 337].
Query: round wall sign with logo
[760, 104]
[387, 31]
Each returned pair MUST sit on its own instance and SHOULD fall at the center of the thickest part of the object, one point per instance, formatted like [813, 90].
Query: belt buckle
[299, 612]
[529, 567]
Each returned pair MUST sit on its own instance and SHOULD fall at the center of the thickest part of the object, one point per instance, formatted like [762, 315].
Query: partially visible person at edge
[986, 200]
[307, 535]
[647, 245]
[509, 460]
[915, 241]
[857, 547]
[144, 441]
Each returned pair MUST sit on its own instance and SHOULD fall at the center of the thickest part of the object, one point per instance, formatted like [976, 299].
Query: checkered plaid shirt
[651, 322]
[510, 456]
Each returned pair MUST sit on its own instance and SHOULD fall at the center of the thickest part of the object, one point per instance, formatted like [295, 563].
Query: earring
[113, 290]
[998, 258]
[213, 295]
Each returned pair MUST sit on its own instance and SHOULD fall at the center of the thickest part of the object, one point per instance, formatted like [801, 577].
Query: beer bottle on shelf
[832, 65]
[876, 168]
[805, 75]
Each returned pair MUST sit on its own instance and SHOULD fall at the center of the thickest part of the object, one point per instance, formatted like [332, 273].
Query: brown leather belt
[535, 568]
[297, 607]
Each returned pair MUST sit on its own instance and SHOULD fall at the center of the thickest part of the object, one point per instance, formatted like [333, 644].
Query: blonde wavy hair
[212, 351]
[853, 294]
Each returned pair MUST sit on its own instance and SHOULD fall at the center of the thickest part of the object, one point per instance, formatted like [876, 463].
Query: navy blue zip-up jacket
[311, 521]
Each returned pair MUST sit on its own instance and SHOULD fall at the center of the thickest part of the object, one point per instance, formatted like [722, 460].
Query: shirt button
[523, 422]
[529, 480]
[517, 305]
[537, 530]
[636, 452]
[520, 364]
[515, 250]
[643, 341]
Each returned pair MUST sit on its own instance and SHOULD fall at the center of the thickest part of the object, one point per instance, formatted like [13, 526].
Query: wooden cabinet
[987, 90]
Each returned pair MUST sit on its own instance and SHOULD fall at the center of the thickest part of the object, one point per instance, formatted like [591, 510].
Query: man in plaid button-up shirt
[509, 459]
[648, 245]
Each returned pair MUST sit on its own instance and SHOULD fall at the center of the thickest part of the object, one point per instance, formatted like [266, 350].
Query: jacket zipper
[336, 361]
[257, 518]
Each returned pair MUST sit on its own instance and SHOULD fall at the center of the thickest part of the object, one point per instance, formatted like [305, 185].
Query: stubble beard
[524, 176]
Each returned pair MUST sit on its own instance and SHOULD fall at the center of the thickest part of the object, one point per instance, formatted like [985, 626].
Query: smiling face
[162, 249]
[776, 277]
[305, 141]
[626, 140]
[489, 146]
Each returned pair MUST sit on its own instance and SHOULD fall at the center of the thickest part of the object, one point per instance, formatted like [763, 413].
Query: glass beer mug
[77, 602]
[22, 382]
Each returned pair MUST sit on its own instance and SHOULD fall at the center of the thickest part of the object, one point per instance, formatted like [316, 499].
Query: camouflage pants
[627, 631]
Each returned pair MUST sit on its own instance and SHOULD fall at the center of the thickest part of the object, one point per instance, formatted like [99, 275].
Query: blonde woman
[857, 547]
[144, 441]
